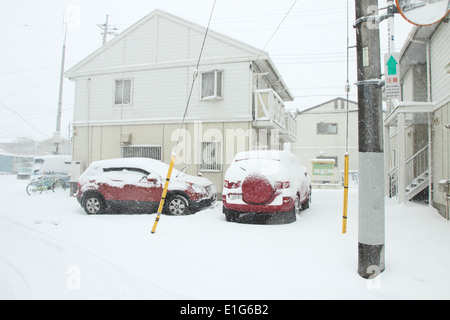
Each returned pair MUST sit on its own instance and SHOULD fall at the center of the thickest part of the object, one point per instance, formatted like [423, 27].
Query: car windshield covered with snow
[136, 185]
[265, 186]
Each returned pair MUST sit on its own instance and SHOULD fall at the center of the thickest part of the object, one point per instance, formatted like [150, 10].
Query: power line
[196, 72]
[24, 120]
[276, 30]
[29, 70]
[31, 88]
[28, 78]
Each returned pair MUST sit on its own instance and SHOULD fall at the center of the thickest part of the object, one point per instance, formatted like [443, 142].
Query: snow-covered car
[136, 185]
[265, 187]
[24, 173]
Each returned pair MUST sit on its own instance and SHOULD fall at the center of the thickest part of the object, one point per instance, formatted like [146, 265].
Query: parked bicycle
[45, 183]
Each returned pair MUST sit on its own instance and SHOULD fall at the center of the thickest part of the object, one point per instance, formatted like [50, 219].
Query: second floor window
[327, 128]
[211, 83]
[123, 91]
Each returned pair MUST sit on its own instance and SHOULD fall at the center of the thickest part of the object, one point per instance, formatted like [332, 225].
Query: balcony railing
[270, 113]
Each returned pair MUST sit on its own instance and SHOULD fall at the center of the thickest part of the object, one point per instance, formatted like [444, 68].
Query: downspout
[430, 150]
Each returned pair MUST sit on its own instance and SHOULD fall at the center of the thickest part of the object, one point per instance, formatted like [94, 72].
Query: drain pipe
[448, 199]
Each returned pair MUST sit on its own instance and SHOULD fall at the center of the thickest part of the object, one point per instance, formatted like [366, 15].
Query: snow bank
[50, 249]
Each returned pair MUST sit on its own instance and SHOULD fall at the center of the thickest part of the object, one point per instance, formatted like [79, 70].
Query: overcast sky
[309, 49]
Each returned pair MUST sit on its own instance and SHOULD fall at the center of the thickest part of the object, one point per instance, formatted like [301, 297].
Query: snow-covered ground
[50, 249]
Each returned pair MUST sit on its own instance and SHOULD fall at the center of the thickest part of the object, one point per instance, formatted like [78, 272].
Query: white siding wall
[440, 57]
[407, 85]
[162, 95]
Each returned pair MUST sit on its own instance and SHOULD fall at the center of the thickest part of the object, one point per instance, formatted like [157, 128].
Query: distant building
[322, 132]
[11, 163]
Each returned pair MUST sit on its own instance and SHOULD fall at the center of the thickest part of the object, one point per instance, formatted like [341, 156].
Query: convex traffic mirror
[423, 12]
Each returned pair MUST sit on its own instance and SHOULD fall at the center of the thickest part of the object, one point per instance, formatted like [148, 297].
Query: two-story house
[322, 134]
[131, 95]
[417, 129]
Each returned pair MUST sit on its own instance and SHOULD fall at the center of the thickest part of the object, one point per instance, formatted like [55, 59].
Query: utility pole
[371, 209]
[57, 136]
[391, 25]
[106, 29]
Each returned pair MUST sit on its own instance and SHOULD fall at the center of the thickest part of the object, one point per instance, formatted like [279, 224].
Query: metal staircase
[416, 175]
[419, 183]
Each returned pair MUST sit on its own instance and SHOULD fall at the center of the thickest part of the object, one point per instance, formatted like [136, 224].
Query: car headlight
[198, 189]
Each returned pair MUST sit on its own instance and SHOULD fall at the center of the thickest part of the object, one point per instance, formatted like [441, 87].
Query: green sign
[323, 169]
[392, 66]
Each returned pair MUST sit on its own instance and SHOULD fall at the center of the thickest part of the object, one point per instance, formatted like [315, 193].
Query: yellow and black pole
[163, 196]
[344, 216]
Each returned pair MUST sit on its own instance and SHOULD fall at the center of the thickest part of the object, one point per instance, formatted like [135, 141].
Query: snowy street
[50, 249]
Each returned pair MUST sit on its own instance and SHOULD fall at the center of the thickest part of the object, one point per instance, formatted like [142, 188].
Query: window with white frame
[152, 152]
[122, 91]
[211, 156]
[212, 84]
[327, 128]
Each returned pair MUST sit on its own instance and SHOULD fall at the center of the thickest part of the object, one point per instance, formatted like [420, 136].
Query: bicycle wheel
[58, 185]
[34, 188]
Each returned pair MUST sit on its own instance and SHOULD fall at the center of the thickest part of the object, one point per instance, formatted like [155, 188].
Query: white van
[59, 165]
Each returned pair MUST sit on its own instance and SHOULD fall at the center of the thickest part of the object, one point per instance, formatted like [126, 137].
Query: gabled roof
[325, 103]
[263, 59]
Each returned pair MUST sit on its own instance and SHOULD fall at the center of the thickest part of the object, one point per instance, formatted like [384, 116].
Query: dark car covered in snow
[131, 185]
[265, 187]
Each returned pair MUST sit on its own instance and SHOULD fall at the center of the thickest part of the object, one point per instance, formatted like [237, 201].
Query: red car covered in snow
[131, 185]
[265, 187]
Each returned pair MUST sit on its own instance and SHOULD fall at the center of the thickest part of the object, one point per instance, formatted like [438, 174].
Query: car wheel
[177, 205]
[94, 204]
[292, 215]
[308, 202]
[297, 206]
[230, 215]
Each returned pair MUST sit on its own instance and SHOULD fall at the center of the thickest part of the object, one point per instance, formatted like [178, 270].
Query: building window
[212, 84]
[211, 156]
[123, 91]
[152, 152]
[327, 128]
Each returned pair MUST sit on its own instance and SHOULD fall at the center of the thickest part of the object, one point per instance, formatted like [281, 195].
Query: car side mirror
[153, 178]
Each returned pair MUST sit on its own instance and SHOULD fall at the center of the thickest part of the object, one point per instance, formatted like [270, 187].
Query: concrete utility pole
[371, 229]
[57, 135]
[106, 30]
